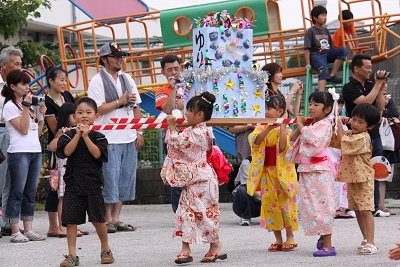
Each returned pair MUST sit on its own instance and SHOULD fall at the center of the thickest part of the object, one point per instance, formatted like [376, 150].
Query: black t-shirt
[83, 173]
[352, 90]
[53, 108]
[319, 41]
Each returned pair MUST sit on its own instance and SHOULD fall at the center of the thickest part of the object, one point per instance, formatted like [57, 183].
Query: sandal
[388, 210]
[120, 226]
[183, 258]
[275, 247]
[287, 246]
[111, 227]
[368, 249]
[212, 257]
[320, 245]
[361, 246]
[83, 232]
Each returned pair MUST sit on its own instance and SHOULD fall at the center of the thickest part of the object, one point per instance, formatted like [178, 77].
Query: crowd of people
[285, 176]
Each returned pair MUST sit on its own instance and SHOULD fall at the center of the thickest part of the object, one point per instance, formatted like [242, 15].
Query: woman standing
[57, 95]
[24, 124]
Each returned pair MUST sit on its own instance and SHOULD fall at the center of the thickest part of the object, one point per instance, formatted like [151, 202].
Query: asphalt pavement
[152, 244]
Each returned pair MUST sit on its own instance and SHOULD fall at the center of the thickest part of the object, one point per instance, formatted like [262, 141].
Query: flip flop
[52, 234]
[287, 246]
[212, 257]
[183, 258]
[83, 232]
[275, 247]
[124, 227]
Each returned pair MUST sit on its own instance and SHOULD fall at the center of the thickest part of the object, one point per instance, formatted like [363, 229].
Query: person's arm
[375, 94]
[261, 136]
[71, 146]
[168, 106]
[340, 132]
[93, 149]
[282, 137]
[139, 136]
[307, 58]
[297, 89]
[300, 124]
[240, 128]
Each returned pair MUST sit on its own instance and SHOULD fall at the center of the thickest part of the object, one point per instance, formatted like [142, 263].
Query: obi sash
[321, 157]
[270, 156]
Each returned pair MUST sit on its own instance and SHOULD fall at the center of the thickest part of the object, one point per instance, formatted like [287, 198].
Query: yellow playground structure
[271, 42]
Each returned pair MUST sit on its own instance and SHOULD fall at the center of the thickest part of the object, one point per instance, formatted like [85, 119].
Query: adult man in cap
[10, 59]
[116, 96]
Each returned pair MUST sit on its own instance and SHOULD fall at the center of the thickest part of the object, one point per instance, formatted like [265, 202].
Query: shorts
[361, 196]
[320, 62]
[120, 173]
[75, 208]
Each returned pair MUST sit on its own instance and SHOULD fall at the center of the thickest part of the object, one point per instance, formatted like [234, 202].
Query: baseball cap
[111, 48]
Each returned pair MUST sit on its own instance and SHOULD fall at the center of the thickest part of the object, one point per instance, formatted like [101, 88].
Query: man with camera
[169, 100]
[116, 96]
[359, 89]
[10, 59]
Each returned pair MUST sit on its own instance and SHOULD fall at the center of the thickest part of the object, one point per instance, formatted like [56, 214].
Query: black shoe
[7, 231]
[335, 79]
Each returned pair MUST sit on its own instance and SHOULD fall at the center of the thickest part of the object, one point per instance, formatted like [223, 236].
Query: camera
[36, 100]
[387, 74]
[177, 80]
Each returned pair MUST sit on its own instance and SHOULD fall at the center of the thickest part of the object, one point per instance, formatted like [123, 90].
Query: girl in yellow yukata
[276, 176]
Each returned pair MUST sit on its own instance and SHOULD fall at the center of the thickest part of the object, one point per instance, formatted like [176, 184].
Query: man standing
[10, 59]
[116, 96]
[359, 89]
[168, 99]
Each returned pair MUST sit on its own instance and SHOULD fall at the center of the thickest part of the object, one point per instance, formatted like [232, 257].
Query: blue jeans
[24, 171]
[244, 205]
[320, 62]
[377, 150]
[120, 173]
[5, 180]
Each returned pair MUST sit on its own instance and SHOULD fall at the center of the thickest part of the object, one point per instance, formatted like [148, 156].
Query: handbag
[386, 135]
[396, 134]
[53, 180]
[2, 157]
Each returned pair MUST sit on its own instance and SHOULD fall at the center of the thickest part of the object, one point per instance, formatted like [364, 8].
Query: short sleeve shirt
[319, 41]
[337, 36]
[83, 173]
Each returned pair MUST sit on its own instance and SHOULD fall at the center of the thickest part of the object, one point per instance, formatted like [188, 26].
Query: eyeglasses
[114, 56]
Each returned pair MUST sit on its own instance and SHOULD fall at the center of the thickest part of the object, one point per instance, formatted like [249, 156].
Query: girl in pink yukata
[197, 216]
[316, 182]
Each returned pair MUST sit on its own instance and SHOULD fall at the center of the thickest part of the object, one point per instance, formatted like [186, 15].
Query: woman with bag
[392, 115]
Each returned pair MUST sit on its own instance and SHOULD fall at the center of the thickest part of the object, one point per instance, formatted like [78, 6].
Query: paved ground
[152, 245]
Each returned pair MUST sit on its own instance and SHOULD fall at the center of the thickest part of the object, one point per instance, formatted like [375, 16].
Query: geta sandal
[275, 247]
[287, 246]
[212, 257]
[183, 258]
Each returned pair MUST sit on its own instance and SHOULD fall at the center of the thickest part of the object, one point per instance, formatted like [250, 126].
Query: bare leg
[53, 223]
[321, 85]
[101, 230]
[336, 66]
[113, 211]
[382, 193]
[361, 224]
[185, 248]
[369, 225]
[327, 242]
[289, 236]
[61, 229]
[278, 237]
[71, 238]
[14, 228]
[27, 226]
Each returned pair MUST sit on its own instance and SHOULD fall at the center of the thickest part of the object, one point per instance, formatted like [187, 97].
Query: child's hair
[169, 59]
[90, 102]
[369, 113]
[63, 115]
[14, 77]
[272, 68]
[357, 61]
[346, 14]
[316, 11]
[204, 102]
[276, 102]
[341, 99]
[322, 98]
[52, 72]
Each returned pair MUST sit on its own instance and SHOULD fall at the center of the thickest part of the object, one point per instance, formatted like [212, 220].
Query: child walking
[316, 188]
[277, 177]
[319, 51]
[86, 151]
[356, 170]
[197, 216]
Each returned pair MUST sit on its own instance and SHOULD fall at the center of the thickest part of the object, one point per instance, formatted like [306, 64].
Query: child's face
[321, 19]
[347, 25]
[273, 112]
[317, 110]
[340, 108]
[359, 125]
[194, 118]
[85, 114]
[71, 120]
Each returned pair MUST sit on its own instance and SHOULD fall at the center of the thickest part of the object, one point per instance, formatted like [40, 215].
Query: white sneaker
[380, 213]
[351, 213]
[32, 236]
[18, 238]
[244, 222]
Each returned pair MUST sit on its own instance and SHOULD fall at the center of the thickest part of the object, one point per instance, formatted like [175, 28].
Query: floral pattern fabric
[197, 216]
[316, 182]
[278, 183]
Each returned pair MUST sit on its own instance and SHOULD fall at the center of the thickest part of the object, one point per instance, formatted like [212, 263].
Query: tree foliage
[14, 14]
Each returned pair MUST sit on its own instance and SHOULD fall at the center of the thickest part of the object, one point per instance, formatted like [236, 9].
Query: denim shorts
[120, 173]
[320, 62]
[24, 171]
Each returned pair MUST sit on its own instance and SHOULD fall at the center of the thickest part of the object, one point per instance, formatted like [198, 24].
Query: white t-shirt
[18, 141]
[96, 92]
[2, 98]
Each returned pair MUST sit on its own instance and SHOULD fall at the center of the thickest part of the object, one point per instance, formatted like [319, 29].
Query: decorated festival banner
[222, 65]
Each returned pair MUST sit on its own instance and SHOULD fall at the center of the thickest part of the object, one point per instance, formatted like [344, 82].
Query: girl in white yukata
[316, 187]
[197, 216]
